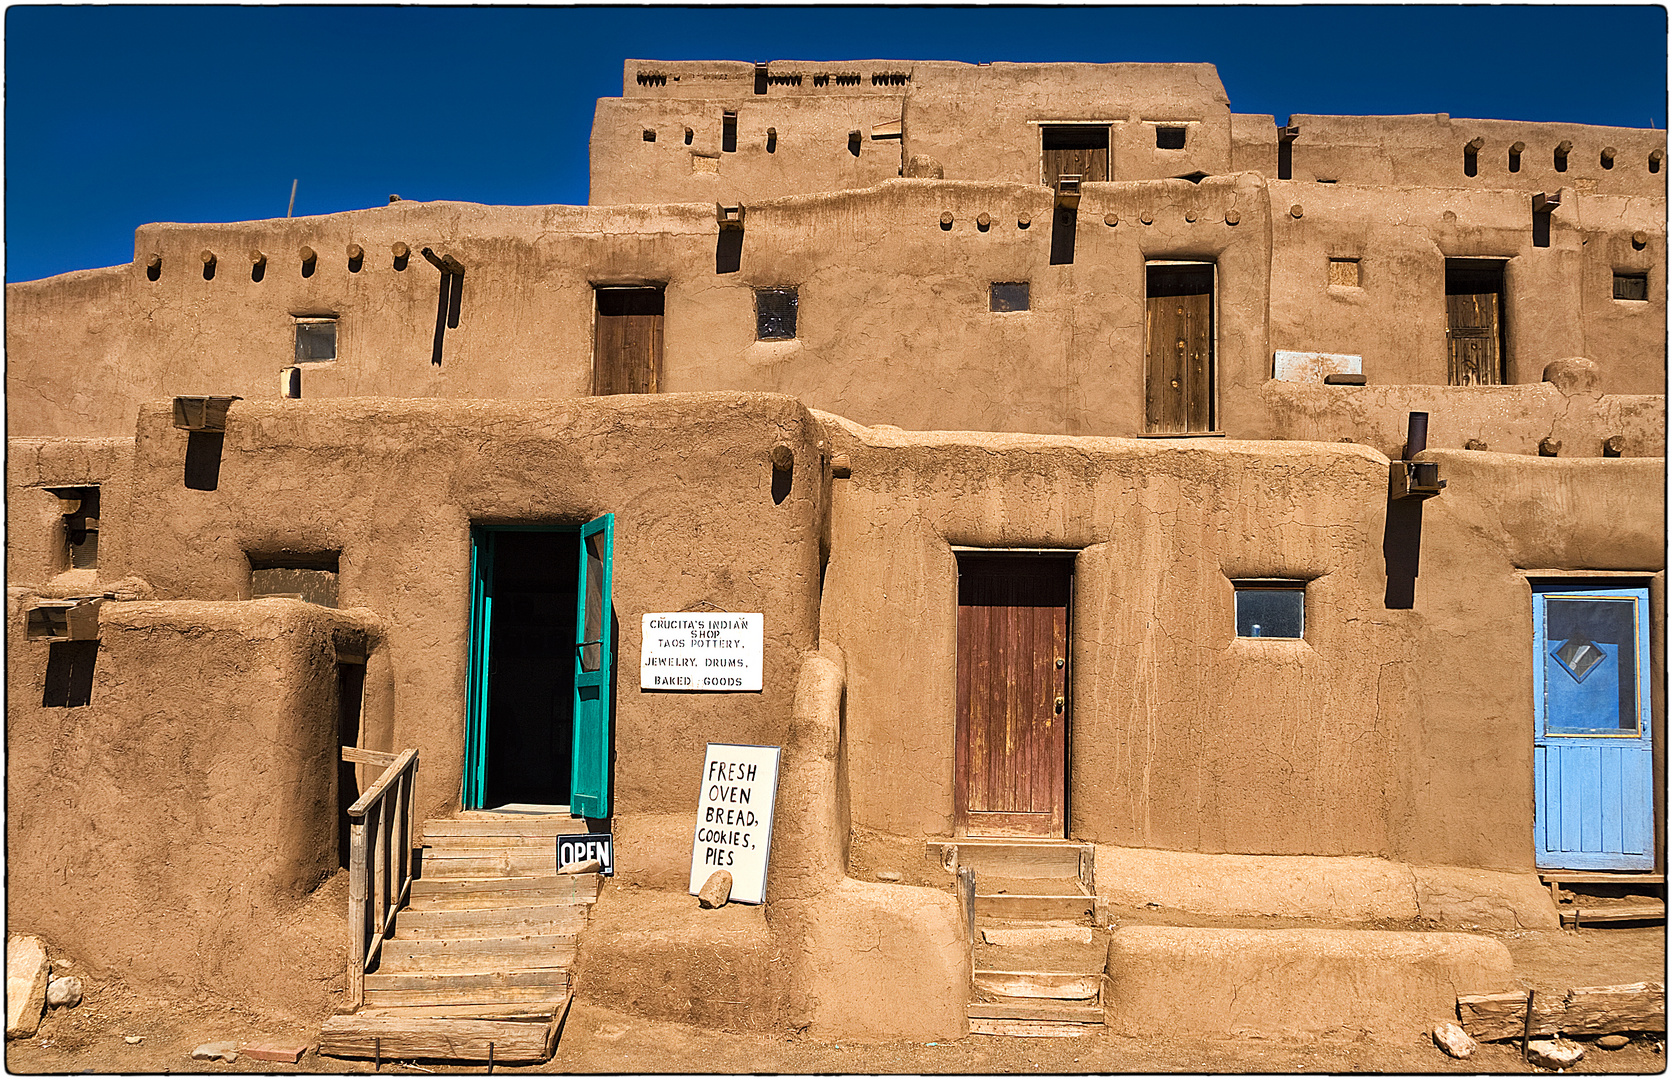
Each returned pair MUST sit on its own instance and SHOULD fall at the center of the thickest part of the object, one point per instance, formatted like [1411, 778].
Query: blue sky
[117, 116]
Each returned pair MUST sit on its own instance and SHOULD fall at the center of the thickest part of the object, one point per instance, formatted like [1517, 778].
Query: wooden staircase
[477, 968]
[1039, 959]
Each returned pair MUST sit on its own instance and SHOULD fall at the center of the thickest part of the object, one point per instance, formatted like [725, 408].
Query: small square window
[1008, 296]
[1631, 286]
[1169, 137]
[1344, 272]
[316, 340]
[775, 314]
[1271, 608]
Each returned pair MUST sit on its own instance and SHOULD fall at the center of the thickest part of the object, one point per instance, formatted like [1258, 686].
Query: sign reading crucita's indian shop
[701, 650]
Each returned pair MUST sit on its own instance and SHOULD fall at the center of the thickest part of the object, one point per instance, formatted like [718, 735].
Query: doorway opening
[627, 340]
[1011, 756]
[1475, 322]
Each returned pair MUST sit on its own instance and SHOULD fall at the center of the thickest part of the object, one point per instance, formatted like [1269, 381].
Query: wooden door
[1593, 748]
[1178, 348]
[1075, 150]
[627, 349]
[1011, 761]
[1474, 322]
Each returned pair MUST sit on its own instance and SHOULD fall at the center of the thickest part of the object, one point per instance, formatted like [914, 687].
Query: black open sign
[578, 847]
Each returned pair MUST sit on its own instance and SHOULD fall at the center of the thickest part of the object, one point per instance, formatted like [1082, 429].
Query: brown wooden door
[1012, 729]
[1472, 340]
[1075, 150]
[627, 349]
[1178, 349]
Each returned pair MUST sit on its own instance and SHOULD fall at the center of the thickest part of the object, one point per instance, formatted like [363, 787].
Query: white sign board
[701, 650]
[734, 818]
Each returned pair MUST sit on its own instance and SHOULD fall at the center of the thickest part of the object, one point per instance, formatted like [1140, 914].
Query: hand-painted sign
[701, 650]
[734, 818]
[579, 847]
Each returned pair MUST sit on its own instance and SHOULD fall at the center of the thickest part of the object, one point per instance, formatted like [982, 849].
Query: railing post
[357, 913]
[380, 862]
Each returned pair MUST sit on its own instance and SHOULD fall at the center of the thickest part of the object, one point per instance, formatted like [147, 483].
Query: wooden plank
[467, 980]
[1589, 1010]
[1035, 1029]
[1060, 985]
[527, 1012]
[430, 1039]
[396, 961]
[496, 924]
[1035, 1010]
[576, 885]
[368, 757]
[356, 911]
[1024, 906]
[1593, 877]
[507, 944]
[383, 783]
[467, 902]
[522, 825]
[490, 996]
[1615, 913]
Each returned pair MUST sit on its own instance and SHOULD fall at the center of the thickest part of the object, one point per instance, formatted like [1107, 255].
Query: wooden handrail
[379, 860]
[368, 757]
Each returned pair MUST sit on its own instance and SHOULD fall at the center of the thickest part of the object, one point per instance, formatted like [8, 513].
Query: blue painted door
[1592, 745]
[594, 659]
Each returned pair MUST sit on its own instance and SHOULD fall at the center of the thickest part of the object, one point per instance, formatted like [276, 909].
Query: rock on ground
[225, 1051]
[716, 890]
[1554, 1053]
[1454, 1040]
[65, 992]
[26, 976]
[1613, 1042]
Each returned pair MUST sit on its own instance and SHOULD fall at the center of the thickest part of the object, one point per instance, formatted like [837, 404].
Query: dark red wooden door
[1012, 729]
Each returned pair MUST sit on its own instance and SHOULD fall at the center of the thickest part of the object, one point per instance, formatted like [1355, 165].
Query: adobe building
[1056, 425]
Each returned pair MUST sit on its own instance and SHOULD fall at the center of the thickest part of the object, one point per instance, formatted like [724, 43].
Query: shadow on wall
[1401, 551]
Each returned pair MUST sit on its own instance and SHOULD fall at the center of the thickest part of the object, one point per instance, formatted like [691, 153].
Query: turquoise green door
[594, 659]
[511, 722]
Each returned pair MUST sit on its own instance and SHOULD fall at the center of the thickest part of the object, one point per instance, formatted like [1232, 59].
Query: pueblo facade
[1142, 504]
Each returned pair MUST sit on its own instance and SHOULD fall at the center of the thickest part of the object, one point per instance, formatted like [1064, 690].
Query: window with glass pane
[775, 314]
[316, 340]
[1590, 665]
[1271, 609]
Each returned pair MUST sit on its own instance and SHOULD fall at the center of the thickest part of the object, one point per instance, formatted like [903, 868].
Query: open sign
[578, 847]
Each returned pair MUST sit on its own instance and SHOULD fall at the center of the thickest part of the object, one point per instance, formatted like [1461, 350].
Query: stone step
[1015, 858]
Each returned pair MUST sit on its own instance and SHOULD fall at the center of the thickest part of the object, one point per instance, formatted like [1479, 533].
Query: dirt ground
[597, 1040]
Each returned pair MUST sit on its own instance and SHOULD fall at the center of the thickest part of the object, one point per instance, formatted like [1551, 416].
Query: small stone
[1613, 1042]
[583, 866]
[1454, 1040]
[224, 1051]
[716, 890]
[133, 1040]
[888, 875]
[65, 992]
[1554, 1053]
[26, 976]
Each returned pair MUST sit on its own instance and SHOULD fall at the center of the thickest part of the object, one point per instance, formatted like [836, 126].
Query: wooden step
[1599, 877]
[490, 922]
[513, 1010]
[479, 866]
[441, 1039]
[467, 980]
[1029, 906]
[578, 885]
[518, 825]
[486, 898]
[462, 954]
[1584, 916]
[1038, 936]
[1055, 1011]
[1015, 858]
[1035, 1029]
[492, 997]
[440, 847]
[1059, 985]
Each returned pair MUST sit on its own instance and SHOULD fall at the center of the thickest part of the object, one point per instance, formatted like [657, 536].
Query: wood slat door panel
[627, 350]
[1011, 758]
[1089, 163]
[1178, 354]
[1472, 337]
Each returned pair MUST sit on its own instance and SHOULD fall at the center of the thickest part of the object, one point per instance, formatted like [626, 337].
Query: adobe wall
[179, 828]
[1184, 737]
[1426, 150]
[36, 550]
[1558, 300]
[394, 486]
